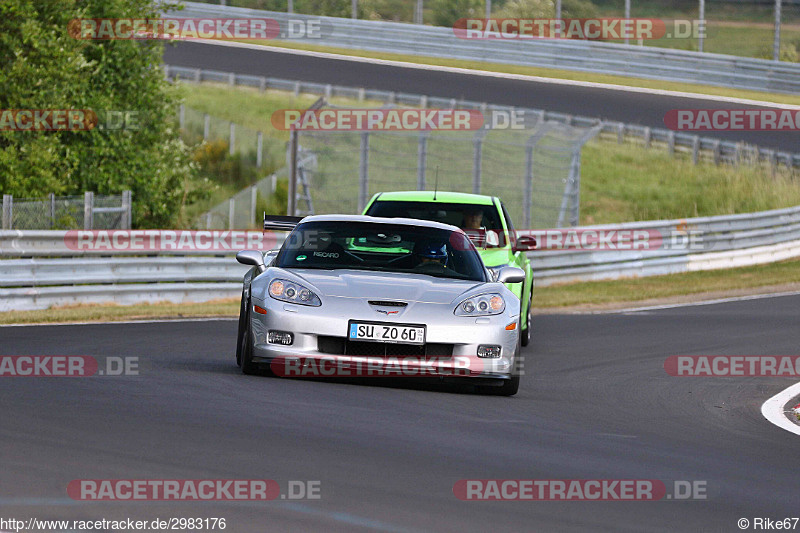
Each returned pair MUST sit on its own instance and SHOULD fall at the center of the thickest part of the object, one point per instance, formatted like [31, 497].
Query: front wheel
[240, 331]
[246, 339]
[525, 334]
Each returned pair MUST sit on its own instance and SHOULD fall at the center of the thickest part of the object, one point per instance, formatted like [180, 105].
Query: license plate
[381, 332]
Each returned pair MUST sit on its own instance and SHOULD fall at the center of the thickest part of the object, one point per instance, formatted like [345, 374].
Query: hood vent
[382, 303]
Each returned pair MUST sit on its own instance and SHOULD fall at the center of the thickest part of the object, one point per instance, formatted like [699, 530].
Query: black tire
[240, 331]
[248, 366]
[525, 334]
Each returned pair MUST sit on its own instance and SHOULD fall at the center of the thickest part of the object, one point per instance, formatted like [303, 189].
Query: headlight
[289, 291]
[485, 304]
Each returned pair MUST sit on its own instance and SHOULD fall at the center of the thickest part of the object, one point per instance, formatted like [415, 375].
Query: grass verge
[619, 183]
[774, 277]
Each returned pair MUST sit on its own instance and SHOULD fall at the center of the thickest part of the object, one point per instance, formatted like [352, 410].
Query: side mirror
[253, 258]
[525, 243]
[511, 275]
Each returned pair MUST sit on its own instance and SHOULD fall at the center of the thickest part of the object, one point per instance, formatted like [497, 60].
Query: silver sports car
[350, 295]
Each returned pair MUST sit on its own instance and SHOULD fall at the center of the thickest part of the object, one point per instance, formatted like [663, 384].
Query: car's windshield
[381, 247]
[481, 222]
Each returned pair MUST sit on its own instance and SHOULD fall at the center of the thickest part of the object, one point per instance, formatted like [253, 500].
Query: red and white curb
[773, 409]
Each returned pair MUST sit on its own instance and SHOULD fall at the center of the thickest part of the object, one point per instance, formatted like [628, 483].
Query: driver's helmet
[433, 252]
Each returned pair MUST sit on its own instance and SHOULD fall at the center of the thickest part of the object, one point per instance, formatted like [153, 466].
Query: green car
[483, 218]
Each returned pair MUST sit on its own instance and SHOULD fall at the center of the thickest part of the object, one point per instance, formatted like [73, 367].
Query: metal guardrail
[42, 271]
[586, 56]
[697, 147]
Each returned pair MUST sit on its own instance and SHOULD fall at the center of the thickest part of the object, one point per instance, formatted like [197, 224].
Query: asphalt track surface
[596, 404]
[610, 104]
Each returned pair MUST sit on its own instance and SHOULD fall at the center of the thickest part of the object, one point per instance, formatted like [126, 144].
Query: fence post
[695, 149]
[206, 126]
[253, 199]
[88, 210]
[422, 157]
[182, 116]
[8, 211]
[363, 172]
[127, 205]
[291, 200]
[528, 180]
[52, 209]
[477, 154]
[232, 140]
[231, 212]
[259, 149]
[671, 143]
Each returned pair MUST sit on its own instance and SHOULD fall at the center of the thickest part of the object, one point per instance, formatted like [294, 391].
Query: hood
[382, 285]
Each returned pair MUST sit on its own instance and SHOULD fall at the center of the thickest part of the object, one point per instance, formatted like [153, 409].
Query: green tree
[447, 12]
[43, 67]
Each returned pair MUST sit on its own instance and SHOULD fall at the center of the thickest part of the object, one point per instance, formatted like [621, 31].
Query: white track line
[504, 75]
[693, 304]
[773, 409]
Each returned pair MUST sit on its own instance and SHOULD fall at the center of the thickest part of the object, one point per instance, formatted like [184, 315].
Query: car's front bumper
[453, 342]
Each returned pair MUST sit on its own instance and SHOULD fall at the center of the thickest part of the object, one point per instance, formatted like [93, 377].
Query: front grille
[342, 346]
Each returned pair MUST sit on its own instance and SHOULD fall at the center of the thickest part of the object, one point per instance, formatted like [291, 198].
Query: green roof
[441, 196]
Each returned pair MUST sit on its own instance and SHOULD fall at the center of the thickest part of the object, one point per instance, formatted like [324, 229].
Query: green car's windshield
[381, 247]
[481, 222]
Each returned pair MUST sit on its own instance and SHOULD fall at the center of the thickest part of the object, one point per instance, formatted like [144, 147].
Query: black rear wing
[280, 222]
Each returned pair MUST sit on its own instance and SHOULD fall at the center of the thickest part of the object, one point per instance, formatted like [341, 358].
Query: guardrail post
[51, 209]
[363, 172]
[232, 140]
[671, 143]
[695, 149]
[88, 210]
[181, 116]
[206, 126]
[361, 94]
[647, 135]
[198, 75]
[8, 211]
[296, 89]
[717, 152]
[620, 133]
[166, 72]
[328, 91]
[208, 220]
[259, 149]
[231, 79]
[262, 84]
[127, 205]
[422, 158]
[231, 212]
